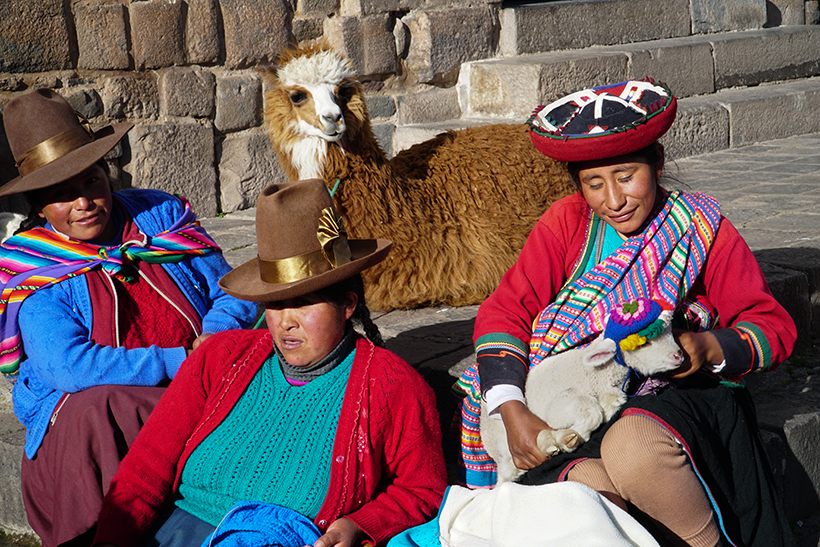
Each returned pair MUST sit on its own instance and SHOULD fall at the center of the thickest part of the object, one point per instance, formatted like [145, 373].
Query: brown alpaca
[458, 207]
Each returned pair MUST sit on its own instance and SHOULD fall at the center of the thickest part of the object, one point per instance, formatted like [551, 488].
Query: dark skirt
[64, 485]
[717, 427]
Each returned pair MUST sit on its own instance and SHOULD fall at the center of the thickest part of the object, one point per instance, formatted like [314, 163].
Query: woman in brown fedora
[101, 302]
[305, 423]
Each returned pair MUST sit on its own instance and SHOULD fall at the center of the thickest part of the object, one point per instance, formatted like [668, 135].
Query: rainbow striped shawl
[38, 258]
[661, 263]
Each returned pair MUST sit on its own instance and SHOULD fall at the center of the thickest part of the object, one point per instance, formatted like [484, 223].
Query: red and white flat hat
[603, 122]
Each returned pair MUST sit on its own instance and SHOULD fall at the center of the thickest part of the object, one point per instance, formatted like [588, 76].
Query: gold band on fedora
[335, 252]
[56, 147]
[295, 268]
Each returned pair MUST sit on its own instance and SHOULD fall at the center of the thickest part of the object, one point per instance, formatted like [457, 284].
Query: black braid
[337, 294]
[362, 317]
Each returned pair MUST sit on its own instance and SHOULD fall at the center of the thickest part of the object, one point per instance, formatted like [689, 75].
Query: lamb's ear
[599, 352]
[666, 317]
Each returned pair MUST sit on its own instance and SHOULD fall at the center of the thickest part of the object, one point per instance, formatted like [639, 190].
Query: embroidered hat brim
[297, 229]
[603, 122]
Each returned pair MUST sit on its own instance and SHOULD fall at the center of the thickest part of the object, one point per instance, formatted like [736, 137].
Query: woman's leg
[591, 472]
[649, 469]
[63, 486]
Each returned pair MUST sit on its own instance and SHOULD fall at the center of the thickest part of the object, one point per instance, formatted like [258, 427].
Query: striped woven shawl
[38, 258]
[661, 263]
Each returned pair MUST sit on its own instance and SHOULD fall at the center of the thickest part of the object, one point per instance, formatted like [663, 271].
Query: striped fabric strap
[38, 258]
[662, 263]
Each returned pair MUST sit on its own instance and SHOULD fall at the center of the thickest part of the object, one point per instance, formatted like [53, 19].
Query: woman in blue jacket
[99, 308]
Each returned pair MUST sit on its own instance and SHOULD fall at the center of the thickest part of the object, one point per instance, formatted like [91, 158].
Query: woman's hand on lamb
[700, 349]
[342, 532]
[523, 428]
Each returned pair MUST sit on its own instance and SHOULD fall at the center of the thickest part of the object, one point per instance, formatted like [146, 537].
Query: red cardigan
[731, 286]
[387, 472]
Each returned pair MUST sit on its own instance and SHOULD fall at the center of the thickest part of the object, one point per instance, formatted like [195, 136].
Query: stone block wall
[184, 70]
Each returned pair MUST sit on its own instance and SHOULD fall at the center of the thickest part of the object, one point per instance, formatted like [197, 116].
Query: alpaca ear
[599, 352]
[666, 317]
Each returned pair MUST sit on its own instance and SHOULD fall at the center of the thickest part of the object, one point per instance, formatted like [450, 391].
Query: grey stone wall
[184, 70]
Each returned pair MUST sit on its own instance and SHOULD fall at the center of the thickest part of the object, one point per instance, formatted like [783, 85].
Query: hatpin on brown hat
[50, 142]
[303, 246]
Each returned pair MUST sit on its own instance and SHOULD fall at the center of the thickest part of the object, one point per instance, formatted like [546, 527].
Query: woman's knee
[108, 411]
[637, 447]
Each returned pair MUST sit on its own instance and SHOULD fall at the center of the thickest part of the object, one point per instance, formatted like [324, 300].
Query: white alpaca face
[325, 119]
[312, 84]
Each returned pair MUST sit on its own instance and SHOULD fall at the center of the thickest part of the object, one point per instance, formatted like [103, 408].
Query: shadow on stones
[433, 350]
[793, 275]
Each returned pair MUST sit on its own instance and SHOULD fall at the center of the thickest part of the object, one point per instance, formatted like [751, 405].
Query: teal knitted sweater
[275, 446]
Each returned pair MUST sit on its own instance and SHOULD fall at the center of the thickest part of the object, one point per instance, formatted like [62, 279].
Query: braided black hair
[337, 294]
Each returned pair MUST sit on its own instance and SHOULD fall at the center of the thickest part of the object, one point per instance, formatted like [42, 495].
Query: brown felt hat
[50, 142]
[303, 246]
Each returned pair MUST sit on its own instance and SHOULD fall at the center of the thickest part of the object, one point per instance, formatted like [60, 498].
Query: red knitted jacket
[730, 285]
[387, 472]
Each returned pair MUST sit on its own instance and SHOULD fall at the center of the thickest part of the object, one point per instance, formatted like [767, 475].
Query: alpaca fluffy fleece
[575, 392]
[458, 207]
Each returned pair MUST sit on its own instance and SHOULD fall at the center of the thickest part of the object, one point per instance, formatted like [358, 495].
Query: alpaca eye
[298, 97]
[345, 93]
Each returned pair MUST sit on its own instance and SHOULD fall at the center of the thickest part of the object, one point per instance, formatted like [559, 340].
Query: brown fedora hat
[303, 246]
[49, 141]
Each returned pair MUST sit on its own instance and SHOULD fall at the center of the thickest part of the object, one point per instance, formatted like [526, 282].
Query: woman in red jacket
[688, 454]
[306, 416]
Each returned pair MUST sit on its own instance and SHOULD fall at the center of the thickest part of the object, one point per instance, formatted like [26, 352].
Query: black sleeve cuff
[494, 370]
[736, 351]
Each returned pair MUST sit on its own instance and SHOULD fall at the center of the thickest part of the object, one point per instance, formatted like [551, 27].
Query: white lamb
[576, 391]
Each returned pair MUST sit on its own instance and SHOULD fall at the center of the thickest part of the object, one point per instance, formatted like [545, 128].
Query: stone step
[509, 87]
[549, 26]
[728, 118]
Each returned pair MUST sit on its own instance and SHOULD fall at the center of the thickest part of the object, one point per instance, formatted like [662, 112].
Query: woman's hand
[699, 349]
[523, 428]
[342, 532]
[197, 341]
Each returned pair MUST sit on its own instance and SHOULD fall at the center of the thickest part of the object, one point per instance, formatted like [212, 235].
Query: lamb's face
[658, 355]
[318, 87]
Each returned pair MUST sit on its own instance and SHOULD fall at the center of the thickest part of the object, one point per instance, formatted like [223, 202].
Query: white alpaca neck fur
[308, 156]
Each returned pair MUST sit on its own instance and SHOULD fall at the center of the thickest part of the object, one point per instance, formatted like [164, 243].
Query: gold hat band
[335, 252]
[56, 147]
[295, 268]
